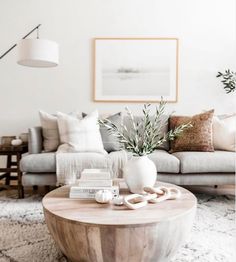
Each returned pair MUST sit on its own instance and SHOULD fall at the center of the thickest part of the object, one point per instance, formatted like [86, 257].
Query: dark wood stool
[13, 166]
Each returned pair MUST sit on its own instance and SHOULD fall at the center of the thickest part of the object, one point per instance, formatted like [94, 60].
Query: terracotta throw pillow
[197, 138]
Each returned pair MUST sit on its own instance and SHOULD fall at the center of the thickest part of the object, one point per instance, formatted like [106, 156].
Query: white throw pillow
[51, 138]
[224, 133]
[83, 135]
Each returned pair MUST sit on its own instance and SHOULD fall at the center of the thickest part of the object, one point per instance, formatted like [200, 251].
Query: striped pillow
[83, 135]
[51, 139]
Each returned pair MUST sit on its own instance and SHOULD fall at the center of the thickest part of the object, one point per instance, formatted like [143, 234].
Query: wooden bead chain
[154, 195]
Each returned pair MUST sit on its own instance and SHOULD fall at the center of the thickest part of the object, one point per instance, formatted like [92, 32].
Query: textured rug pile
[24, 236]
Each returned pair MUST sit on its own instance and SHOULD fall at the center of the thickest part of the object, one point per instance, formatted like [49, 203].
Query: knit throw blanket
[70, 163]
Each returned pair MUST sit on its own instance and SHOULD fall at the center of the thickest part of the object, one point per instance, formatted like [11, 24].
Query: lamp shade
[37, 53]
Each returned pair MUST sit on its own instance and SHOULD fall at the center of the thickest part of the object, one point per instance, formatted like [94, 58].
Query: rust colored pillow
[196, 138]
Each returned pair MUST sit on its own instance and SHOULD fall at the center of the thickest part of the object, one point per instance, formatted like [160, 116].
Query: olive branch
[145, 136]
[228, 80]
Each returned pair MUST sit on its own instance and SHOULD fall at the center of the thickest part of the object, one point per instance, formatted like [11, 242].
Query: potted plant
[142, 139]
[228, 80]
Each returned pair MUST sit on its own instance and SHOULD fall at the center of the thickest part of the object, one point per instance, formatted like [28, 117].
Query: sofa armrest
[35, 140]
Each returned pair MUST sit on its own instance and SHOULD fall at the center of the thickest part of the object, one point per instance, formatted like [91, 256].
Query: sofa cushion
[198, 137]
[224, 133]
[46, 162]
[51, 136]
[206, 162]
[82, 135]
[110, 142]
[38, 163]
[165, 162]
[51, 139]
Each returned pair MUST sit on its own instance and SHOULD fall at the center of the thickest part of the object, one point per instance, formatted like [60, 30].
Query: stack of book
[91, 181]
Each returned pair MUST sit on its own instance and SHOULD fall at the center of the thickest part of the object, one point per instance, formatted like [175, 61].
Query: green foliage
[228, 80]
[143, 137]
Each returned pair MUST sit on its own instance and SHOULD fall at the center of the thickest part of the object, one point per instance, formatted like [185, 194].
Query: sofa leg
[47, 189]
[21, 193]
[35, 188]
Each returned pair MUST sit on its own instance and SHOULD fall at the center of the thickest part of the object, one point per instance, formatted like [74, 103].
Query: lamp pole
[22, 38]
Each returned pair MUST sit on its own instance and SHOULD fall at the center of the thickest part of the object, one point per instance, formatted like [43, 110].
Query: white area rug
[24, 236]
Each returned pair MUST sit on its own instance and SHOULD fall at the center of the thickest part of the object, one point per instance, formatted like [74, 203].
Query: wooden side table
[13, 166]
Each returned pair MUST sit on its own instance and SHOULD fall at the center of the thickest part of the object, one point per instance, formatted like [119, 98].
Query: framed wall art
[135, 69]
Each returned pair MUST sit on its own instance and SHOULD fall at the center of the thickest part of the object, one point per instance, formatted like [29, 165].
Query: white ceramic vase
[139, 172]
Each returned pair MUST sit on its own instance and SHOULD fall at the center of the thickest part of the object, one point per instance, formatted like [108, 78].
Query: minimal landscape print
[126, 81]
[133, 70]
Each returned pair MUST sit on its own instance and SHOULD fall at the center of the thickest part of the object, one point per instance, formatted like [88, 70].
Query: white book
[95, 182]
[89, 192]
[95, 174]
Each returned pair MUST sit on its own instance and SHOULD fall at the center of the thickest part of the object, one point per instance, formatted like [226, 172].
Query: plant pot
[139, 172]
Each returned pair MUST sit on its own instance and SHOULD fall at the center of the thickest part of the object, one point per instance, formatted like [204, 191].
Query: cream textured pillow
[83, 135]
[224, 133]
[51, 139]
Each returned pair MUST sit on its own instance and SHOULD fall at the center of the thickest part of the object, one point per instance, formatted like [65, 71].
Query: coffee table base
[156, 242]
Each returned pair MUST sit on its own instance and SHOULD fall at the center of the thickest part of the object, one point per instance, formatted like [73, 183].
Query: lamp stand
[22, 38]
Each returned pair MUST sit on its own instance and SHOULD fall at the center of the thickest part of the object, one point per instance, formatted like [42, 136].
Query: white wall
[205, 28]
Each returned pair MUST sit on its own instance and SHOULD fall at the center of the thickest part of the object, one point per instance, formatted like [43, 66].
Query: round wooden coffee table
[87, 231]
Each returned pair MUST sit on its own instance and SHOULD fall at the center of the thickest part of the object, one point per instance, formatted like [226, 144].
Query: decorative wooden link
[154, 195]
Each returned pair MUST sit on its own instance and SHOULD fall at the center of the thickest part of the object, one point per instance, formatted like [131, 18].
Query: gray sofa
[182, 168]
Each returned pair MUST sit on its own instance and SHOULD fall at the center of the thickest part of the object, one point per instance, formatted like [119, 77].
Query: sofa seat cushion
[206, 162]
[38, 163]
[46, 162]
[165, 162]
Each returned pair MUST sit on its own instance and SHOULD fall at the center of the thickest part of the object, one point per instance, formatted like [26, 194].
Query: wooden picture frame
[135, 69]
